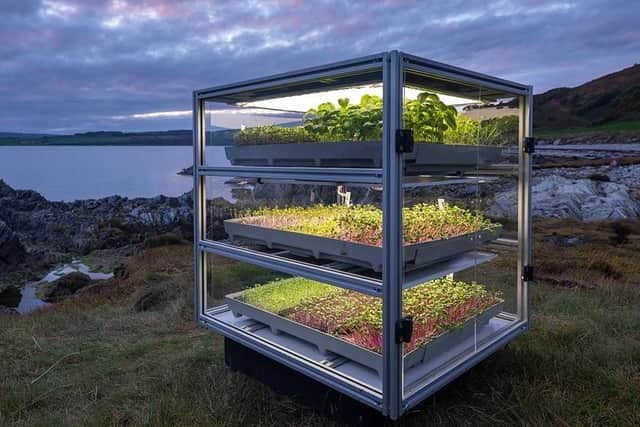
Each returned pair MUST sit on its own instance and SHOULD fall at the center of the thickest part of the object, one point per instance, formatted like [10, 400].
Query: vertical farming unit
[354, 224]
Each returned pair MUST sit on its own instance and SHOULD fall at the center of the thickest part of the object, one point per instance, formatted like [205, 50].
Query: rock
[583, 199]
[64, 287]
[10, 296]
[7, 311]
[186, 171]
[12, 251]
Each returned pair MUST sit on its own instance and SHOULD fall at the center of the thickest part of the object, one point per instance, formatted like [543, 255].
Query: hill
[173, 137]
[608, 99]
[218, 136]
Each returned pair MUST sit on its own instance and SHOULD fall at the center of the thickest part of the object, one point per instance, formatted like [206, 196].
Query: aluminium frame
[394, 400]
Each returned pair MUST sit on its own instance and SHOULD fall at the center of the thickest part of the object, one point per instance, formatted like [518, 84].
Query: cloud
[87, 64]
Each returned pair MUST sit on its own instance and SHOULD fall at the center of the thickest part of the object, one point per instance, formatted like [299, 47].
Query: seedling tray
[416, 255]
[426, 157]
[327, 344]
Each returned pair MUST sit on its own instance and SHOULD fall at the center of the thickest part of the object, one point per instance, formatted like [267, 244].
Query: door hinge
[404, 330]
[527, 273]
[529, 145]
[404, 140]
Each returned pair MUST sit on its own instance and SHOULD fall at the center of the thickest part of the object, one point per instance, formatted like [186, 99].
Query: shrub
[165, 239]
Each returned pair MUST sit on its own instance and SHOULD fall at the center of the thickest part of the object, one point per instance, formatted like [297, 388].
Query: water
[29, 300]
[63, 173]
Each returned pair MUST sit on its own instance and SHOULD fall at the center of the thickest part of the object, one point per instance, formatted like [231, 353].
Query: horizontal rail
[349, 66]
[457, 74]
[337, 278]
[346, 175]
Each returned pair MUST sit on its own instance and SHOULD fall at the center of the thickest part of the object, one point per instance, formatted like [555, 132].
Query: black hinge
[404, 140]
[527, 273]
[529, 145]
[404, 330]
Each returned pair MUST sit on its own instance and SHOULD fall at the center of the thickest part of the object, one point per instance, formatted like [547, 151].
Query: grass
[96, 360]
[609, 128]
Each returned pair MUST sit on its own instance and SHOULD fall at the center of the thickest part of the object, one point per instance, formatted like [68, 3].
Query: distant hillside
[608, 99]
[218, 136]
[174, 137]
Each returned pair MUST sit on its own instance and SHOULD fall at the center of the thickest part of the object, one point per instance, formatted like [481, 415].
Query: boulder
[583, 199]
[12, 252]
[64, 287]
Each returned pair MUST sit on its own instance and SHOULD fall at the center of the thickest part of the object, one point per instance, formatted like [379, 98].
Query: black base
[286, 381]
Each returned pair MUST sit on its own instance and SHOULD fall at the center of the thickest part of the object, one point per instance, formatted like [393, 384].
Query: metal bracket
[404, 330]
[529, 146]
[527, 273]
[404, 140]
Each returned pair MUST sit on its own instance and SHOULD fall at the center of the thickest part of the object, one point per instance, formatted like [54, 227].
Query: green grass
[613, 128]
[98, 361]
[280, 295]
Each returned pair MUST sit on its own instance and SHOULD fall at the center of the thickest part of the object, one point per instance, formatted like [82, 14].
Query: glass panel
[306, 124]
[459, 273]
[338, 329]
[334, 225]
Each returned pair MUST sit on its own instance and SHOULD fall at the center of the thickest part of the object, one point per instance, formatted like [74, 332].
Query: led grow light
[303, 103]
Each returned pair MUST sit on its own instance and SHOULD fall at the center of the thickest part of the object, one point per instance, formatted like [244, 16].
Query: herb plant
[427, 116]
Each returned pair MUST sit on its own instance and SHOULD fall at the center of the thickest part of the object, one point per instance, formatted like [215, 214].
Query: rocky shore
[36, 233]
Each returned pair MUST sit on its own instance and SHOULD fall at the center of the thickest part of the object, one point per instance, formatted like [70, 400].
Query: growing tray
[416, 255]
[327, 344]
[426, 157]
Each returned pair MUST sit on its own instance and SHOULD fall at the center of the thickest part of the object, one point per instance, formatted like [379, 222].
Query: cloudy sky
[76, 65]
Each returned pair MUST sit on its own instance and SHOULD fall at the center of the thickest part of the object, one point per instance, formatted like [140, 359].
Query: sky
[70, 66]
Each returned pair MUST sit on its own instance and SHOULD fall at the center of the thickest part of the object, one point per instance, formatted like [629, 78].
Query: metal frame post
[199, 206]
[525, 172]
[392, 236]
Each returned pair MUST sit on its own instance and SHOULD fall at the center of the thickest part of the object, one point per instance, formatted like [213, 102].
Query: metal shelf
[409, 181]
[360, 279]
[362, 375]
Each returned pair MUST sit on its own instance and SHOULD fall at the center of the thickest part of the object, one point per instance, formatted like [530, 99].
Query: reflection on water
[29, 300]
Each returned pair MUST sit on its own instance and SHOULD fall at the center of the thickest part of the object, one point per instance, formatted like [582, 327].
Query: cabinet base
[286, 381]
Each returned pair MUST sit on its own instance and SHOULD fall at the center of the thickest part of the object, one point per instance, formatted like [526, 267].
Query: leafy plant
[346, 122]
[271, 134]
[363, 223]
[429, 117]
[497, 131]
